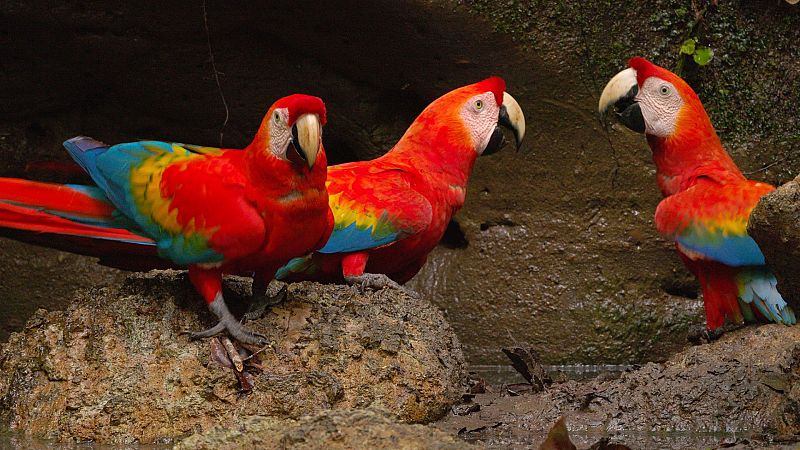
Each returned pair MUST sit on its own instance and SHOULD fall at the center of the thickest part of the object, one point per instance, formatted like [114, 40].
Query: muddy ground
[331, 430]
[743, 389]
[555, 247]
[345, 366]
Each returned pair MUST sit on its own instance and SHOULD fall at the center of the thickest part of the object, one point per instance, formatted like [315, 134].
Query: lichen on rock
[115, 368]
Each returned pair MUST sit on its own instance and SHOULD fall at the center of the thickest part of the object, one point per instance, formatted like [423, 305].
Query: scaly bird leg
[377, 281]
[209, 283]
[353, 271]
[229, 323]
[213, 331]
[265, 295]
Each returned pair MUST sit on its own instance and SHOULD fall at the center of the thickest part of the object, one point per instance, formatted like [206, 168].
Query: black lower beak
[629, 112]
[496, 142]
[505, 121]
[294, 153]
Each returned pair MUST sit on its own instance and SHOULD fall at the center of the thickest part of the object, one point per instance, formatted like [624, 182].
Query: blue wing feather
[111, 168]
[352, 238]
[733, 250]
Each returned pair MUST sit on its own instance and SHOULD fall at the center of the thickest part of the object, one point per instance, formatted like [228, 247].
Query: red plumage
[707, 201]
[392, 211]
[217, 211]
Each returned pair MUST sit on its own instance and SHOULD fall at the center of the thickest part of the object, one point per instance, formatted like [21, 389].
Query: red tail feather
[720, 294]
[720, 291]
[28, 213]
[57, 197]
[21, 218]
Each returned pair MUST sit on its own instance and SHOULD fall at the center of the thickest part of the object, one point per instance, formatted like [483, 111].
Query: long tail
[720, 294]
[73, 218]
[739, 294]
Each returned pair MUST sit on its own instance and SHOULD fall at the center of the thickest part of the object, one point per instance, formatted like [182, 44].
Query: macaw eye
[664, 90]
[277, 117]
[478, 105]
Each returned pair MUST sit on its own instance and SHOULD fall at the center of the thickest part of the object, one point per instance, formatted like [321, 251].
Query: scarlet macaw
[391, 212]
[707, 200]
[214, 210]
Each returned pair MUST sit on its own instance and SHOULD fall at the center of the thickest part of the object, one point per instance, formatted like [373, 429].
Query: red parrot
[214, 210]
[707, 199]
[391, 212]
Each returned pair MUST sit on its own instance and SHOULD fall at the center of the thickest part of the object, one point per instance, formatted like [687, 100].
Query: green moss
[751, 87]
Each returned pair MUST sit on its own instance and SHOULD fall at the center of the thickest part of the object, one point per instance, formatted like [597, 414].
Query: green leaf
[688, 46]
[703, 56]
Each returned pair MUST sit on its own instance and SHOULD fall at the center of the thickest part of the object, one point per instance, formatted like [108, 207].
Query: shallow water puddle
[505, 374]
[11, 440]
[507, 414]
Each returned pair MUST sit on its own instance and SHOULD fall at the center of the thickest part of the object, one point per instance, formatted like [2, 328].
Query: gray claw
[271, 295]
[377, 281]
[229, 323]
[213, 331]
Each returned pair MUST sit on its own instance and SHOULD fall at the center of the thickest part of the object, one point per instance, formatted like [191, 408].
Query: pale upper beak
[306, 134]
[511, 117]
[620, 92]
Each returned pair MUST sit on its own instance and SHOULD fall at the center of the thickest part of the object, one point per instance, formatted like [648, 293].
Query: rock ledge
[114, 368]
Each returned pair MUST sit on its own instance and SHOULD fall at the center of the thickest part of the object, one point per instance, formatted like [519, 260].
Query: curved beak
[306, 134]
[620, 92]
[510, 117]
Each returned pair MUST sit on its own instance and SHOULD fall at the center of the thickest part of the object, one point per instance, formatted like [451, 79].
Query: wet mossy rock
[344, 429]
[775, 225]
[746, 383]
[114, 368]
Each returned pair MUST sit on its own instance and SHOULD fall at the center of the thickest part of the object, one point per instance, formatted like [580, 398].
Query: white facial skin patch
[279, 132]
[660, 103]
[480, 117]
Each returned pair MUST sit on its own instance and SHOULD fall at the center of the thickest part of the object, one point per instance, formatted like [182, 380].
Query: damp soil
[379, 367]
[715, 395]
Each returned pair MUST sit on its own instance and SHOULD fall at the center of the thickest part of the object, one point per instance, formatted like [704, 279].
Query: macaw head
[292, 129]
[471, 115]
[650, 99]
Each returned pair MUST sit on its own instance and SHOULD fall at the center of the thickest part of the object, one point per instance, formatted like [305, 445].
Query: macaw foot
[229, 323]
[274, 293]
[377, 281]
[699, 334]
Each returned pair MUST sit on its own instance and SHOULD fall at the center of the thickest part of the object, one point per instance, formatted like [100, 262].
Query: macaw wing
[193, 205]
[373, 208]
[709, 221]
[202, 150]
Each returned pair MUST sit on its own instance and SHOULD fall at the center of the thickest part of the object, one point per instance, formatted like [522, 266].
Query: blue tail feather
[85, 151]
[758, 287]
